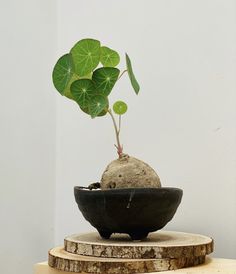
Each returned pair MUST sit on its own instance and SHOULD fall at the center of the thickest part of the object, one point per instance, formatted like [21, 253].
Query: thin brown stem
[119, 123]
[117, 132]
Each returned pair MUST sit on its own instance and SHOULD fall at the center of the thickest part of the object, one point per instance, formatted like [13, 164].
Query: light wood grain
[162, 244]
[62, 260]
[212, 266]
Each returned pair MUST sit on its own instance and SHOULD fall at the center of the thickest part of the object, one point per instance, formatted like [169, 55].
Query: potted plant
[129, 198]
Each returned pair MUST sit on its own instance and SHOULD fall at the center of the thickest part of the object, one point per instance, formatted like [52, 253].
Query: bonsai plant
[87, 75]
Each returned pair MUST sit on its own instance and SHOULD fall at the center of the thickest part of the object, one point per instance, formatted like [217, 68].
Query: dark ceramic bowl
[135, 211]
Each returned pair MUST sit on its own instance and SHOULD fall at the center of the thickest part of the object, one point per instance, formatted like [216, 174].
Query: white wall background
[183, 121]
[27, 133]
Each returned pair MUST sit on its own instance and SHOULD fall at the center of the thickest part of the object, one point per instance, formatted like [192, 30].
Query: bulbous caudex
[129, 172]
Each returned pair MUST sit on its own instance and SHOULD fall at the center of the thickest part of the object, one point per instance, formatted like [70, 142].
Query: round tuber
[128, 172]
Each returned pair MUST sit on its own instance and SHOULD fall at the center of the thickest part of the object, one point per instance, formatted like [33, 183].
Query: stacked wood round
[161, 251]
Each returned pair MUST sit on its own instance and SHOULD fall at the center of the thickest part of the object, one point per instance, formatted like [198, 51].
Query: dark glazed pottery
[135, 211]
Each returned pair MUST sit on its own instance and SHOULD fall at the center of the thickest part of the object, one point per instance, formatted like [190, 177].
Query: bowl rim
[125, 190]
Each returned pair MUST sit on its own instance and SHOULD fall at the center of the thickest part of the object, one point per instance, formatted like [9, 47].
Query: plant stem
[122, 74]
[117, 132]
[119, 123]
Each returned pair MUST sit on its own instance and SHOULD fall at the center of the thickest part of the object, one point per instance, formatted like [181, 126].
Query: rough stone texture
[128, 172]
[162, 244]
[62, 260]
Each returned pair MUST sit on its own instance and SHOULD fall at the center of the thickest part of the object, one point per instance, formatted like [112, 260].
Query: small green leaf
[105, 79]
[82, 91]
[132, 78]
[109, 57]
[86, 56]
[63, 74]
[97, 104]
[120, 107]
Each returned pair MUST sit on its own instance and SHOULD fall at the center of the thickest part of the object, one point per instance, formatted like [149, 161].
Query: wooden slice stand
[162, 244]
[161, 251]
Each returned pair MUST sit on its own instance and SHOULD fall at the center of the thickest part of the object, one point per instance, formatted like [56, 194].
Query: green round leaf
[63, 74]
[132, 78]
[67, 91]
[105, 79]
[82, 91]
[86, 56]
[102, 113]
[97, 104]
[120, 107]
[109, 57]
[88, 76]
